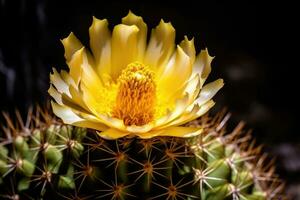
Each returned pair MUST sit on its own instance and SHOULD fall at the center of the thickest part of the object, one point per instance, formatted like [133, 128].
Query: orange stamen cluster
[135, 101]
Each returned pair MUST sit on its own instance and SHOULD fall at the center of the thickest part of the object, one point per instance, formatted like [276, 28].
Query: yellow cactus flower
[127, 86]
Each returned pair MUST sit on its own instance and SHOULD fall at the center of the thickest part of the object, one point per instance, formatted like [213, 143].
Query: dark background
[254, 44]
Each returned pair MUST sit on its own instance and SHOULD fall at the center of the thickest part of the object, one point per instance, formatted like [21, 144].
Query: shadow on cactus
[132, 125]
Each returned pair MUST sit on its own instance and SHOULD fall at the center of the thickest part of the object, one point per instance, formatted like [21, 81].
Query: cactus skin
[44, 159]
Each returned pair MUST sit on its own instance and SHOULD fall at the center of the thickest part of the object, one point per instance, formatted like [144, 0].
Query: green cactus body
[57, 161]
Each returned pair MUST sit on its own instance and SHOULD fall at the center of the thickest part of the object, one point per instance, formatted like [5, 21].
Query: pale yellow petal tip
[71, 45]
[210, 104]
[187, 40]
[54, 71]
[112, 134]
[205, 51]
[51, 90]
[55, 108]
[193, 134]
[59, 112]
[131, 17]
[166, 25]
[96, 22]
[220, 83]
[53, 75]
[125, 29]
[189, 47]
[71, 36]
[186, 43]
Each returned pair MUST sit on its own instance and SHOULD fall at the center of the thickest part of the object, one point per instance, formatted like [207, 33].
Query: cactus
[42, 158]
[132, 126]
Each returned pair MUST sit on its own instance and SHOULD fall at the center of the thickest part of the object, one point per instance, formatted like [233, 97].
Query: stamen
[135, 101]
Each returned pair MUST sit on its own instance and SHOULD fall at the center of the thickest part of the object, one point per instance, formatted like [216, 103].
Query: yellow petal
[70, 117]
[59, 83]
[70, 102]
[100, 43]
[89, 77]
[124, 47]
[132, 19]
[66, 77]
[55, 94]
[77, 97]
[174, 74]
[148, 135]
[112, 122]
[208, 91]
[161, 46]
[181, 131]
[190, 115]
[93, 106]
[71, 96]
[75, 65]
[89, 95]
[71, 45]
[180, 106]
[112, 134]
[202, 65]
[191, 87]
[139, 129]
[65, 113]
[172, 132]
[65, 99]
[188, 47]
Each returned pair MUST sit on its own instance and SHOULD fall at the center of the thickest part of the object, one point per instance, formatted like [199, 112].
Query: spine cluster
[40, 158]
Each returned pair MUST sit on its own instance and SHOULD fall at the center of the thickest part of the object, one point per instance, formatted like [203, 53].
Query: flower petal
[70, 117]
[202, 65]
[161, 46]
[100, 43]
[174, 74]
[71, 45]
[95, 109]
[124, 47]
[89, 76]
[132, 19]
[75, 65]
[67, 78]
[180, 106]
[140, 129]
[194, 113]
[188, 47]
[77, 97]
[191, 87]
[208, 91]
[148, 135]
[112, 134]
[181, 131]
[60, 85]
[178, 131]
[55, 94]
[68, 94]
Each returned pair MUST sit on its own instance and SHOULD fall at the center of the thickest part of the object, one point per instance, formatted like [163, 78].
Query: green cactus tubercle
[44, 159]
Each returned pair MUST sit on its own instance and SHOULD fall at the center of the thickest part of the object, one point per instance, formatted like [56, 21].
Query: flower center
[135, 101]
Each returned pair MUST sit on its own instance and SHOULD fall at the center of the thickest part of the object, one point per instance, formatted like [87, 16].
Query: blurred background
[254, 45]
